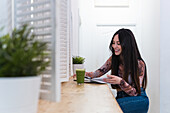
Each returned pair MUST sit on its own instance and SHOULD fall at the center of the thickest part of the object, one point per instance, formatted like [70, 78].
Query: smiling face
[116, 45]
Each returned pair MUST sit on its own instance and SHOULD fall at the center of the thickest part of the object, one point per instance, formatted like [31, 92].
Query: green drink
[80, 75]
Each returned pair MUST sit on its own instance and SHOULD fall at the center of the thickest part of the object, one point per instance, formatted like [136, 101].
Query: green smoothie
[80, 75]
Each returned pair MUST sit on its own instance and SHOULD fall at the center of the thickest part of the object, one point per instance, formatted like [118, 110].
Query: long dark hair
[128, 58]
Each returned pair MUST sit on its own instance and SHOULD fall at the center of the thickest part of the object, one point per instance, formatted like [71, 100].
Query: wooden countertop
[85, 98]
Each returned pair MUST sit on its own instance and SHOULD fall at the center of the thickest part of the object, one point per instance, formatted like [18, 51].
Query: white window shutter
[64, 39]
[50, 19]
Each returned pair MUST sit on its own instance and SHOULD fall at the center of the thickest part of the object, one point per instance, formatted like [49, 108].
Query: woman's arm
[130, 90]
[102, 70]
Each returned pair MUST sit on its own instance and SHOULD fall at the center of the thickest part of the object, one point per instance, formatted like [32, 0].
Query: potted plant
[22, 59]
[77, 63]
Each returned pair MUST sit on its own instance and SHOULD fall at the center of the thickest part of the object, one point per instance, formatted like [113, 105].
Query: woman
[128, 73]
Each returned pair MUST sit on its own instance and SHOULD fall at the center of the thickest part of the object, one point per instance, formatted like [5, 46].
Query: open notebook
[94, 80]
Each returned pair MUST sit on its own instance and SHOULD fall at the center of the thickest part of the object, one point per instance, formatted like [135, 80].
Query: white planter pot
[19, 94]
[77, 66]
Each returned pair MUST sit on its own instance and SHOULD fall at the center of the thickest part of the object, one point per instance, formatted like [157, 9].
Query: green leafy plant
[21, 54]
[78, 60]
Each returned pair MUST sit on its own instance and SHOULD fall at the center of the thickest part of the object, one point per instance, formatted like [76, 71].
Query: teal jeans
[133, 104]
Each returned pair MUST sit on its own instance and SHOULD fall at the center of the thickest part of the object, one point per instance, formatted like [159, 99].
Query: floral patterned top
[126, 87]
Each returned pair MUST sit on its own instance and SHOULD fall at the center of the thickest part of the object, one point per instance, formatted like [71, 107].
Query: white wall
[151, 49]
[75, 26]
[164, 57]
[3, 17]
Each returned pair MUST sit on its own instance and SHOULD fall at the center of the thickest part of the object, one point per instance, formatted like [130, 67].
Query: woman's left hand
[112, 79]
